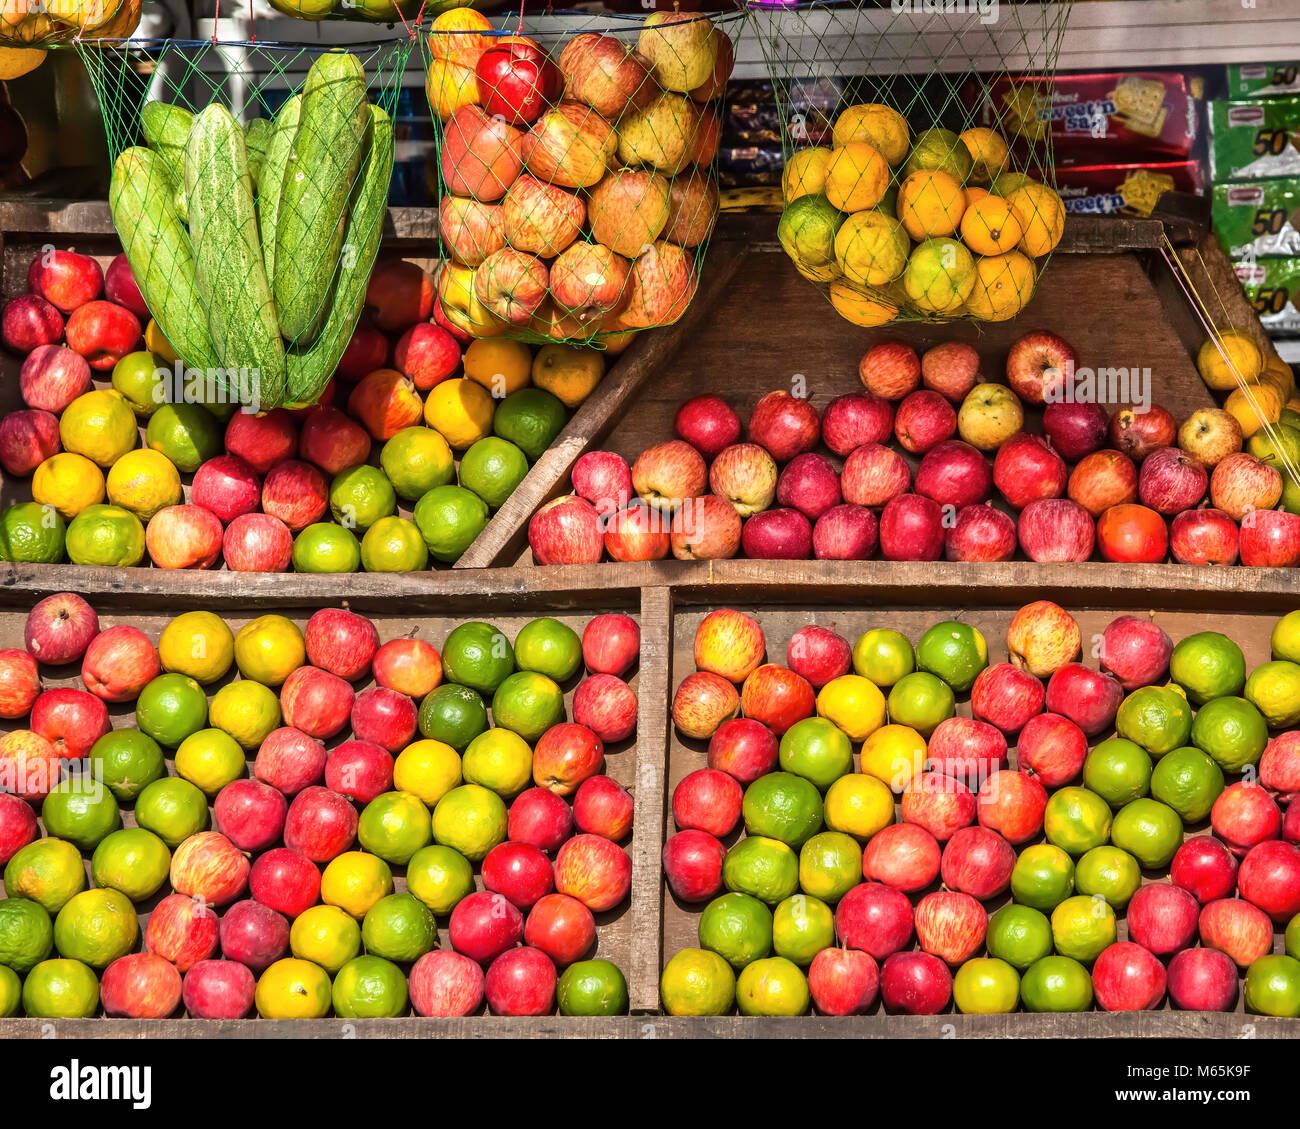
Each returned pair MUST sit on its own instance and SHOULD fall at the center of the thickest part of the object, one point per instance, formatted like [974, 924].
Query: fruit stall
[589, 607]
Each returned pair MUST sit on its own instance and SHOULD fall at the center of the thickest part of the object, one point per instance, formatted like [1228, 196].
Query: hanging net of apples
[576, 169]
[918, 168]
[249, 188]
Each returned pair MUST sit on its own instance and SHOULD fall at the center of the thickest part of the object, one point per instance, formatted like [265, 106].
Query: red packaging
[1131, 190]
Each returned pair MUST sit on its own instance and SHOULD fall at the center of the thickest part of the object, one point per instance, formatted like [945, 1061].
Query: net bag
[918, 176]
[576, 170]
[43, 23]
[249, 187]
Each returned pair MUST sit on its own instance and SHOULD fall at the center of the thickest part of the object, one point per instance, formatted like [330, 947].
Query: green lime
[132, 860]
[830, 865]
[1285, 638]
[818, 750]
[394, 826]
[440, 877]
[326, 547]
[105, 535]
[737, 927]
[48, 871]
[170, 708]
[1189, 781]
[499, 759]
[97, 927]
[807, 230]
[1110, 873]
[1056, 983]
[953, 651]
[921, 701]
[527, 703]
[399, 927]
[783, 806]
[698, 982]
[210, 759]
[1208, 665]
[1076, 820]
[80, 810]
[416, 460]
[801, 927]
[1274, 689]
[986, 986]
[31, 533]
[1043, 877]
[1018, 935]
[1118, 770]
[126, 760]
[173, 809]
[530, 418]
[492, 468]
[369, 987]
[394, 544]
[1148, 830]
[1232, 731]
[592, 987]
[1155, 717]
[478, 655]
[26, 934]
[141, 381]
[11, 992]
[1273, 986]
[360, 496]
[772, 986]
[549, 647]
[1082, 926]
[61, 989]
[450, 518]
[188, 434]
[453, 714]
[470, 819]
[883, 655]
[764, 868]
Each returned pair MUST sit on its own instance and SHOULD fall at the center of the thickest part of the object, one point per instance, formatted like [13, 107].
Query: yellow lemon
[990, 227]
[499, 365]
[1041, 215]
[1233, 356]
[930, 202]
[853, 703]
[871, 248]
[198, 644]
[144, 482]
[805, 173]
[1254, 406]
[1003, 285]
[988, 152]
[99, 425]
[567, 372]
[269, 649]
[248, 711]
[866, 310]
[856, 177]
[354, 881]
[325, 935]
[428, 769]
[880, 126]
[859, 805]
[69, 483]
[894, 754]
[18, 61]
[460, 411]
[157, 344]
[293, 989]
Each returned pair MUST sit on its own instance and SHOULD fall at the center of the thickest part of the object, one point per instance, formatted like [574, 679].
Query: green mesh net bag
[918, 177]
[576, 169]
[249, 187]
[44, 23]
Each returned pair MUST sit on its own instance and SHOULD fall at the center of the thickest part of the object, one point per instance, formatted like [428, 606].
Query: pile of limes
[254, 785]
[862, 788]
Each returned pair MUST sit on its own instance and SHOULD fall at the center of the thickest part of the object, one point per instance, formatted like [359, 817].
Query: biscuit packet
[1131, 190]
[1272, 287]
[1263, 80]
[1255, 140]
[1258, 219]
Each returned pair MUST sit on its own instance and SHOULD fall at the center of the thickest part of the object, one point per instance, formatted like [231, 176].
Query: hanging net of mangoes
[250, 184]
[576, 169]
[918, 166]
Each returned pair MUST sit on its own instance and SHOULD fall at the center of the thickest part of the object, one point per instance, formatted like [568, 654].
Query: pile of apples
[237, 887]
[578, 188]
[931, 461]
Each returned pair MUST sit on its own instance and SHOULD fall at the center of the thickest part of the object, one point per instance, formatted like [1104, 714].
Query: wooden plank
[651, 784]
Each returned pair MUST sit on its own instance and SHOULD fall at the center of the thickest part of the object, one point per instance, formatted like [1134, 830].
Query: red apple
[518, 871]
[746, 476]
[1171, 481]
[1136, 651]
[777, 697]
[980, 533]
[1269, 877]
[566, 531]
[120, 287]
[786, 425]
[254, 934]
[1203, 866]
[227, 486]
[359, 769]
[1126, 977]
[603, 479]
[874, 475]
[1042, 637]
[744, 749]
[562, 927]
[71, 720]
[446, 984]
[209, 866]
[1087, 697]
[1052, 748]
[59, 628]
[17, 826]
[331, 441]
[708, 424]
[1236, 927]
[140, 986]
[1040, 367]
[607, 74]
[818, 654]
[285, 881]
[250, 814]
[874, 918]
[1202, 980]
[939, 803]
[809, 484]
[367, 350]
[262, 441]
[707, 800]
[384, 717]
[29, 765]
[1075, 430]
[28, 322]
[611, 644]
[1103, 479]
[890, 370]
[843, 981]
[288, 760]
[923, 421]
[483, 925]
[400, 291]
[705, 529]
[1270, 539]
[320, 824]
[65, 278]
[1279, 767]
[978, 861]
[409, 666]
[1006, 697]
[856, 419]
[777, 535]
[639, 533]
[257, 543]
[1203, 537]
[966, 749]
[342, 642]
[1011, 803]
[517, 81]
[703, 701]
[602, 806]
[521, 981]
[218, 989]
[951, 369]
[950, 925]
[565, 756]
[911, 529]
[1026, 469]
[481, 156]
[607, 706]
[729, 643]
[1055, 529]
[915, 984]
[1162, 918]
[903, 855]
[427, 354]
[845, 533]
[117, 665]
[541, 818]
[667, 474]
[185, 536]
[182, 930]
[27, 439]
[52, 377]
[595, 871]
[692, 862]
[1243, 815]
[1137, 433]
[955, 474]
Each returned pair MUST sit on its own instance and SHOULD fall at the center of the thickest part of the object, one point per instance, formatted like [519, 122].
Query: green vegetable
[318, 181]
[228, 254]
[271, 180]
[256, 135]
[157, 246]
[165, 129]
[310, 371]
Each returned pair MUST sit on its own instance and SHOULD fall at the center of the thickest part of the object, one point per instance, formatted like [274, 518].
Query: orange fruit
[856, 177]
[1041, 215]
[930, 202]
[990, 227]
[1003, 285]
[988, 152]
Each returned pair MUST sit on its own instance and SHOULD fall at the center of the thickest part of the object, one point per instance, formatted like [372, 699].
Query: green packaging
[1272, 286]
[1255, 140]
[1263, 80]
[1259, 218]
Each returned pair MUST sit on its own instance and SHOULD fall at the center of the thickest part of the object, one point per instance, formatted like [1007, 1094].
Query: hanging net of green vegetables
[576, 168]
[918, 177]
[249, 187]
